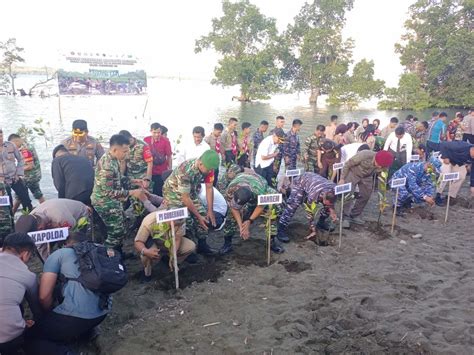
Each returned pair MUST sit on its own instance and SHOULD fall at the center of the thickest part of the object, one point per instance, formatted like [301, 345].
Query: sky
[162, 33]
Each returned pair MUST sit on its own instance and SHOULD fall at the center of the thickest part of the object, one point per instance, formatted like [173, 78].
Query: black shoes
[440, 201]
[281, 235]
[204, 248]
[227, 247]
[276, 247]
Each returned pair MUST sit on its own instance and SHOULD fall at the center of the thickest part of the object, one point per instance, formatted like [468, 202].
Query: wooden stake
[447, 204]
[340, 221]
[59, 107]
[394, 211]
[175, 256]
[269, 236]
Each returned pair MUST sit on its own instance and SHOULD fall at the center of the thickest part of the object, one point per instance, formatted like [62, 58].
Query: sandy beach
[377, 294]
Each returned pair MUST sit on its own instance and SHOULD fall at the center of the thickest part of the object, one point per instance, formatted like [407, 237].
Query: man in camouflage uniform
[139, 161]
[308, 188]
[108, 194]
[81, 144]
[242, 197]
[6, 219]
[291, 147]
[32, 168]
[311, 147]
[181, 190]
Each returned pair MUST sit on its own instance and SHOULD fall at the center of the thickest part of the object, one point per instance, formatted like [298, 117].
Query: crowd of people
[217, 177]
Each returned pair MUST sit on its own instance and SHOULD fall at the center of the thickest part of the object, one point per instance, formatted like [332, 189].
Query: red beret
[384, 158]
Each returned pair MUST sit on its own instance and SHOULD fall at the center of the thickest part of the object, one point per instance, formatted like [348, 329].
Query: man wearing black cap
[81, 144]
[242, 197]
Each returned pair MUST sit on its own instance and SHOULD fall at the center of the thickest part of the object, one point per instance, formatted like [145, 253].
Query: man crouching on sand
[242, 198]
[151, 247]
[310, 188]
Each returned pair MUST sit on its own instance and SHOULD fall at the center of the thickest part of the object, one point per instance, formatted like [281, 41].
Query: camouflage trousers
[312, 166]
[113, 216]
[6, 219]
[231, 227]
[194, 230]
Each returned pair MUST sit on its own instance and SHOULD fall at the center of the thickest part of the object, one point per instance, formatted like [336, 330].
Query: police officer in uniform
[81, 144]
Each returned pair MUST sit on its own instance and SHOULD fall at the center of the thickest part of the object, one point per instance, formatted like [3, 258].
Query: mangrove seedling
[162, 231]
[80, 224]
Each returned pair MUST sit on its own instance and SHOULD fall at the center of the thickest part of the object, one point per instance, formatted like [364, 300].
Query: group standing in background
[99, 187]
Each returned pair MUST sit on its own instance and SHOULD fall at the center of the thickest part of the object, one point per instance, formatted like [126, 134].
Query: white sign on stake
[337, 166]
[4, 201]
[171, 215]
[49, 235]
[340, 189]
[294, 172]
[415, 157]
[398, 182]
[271, 199]
[451, 177]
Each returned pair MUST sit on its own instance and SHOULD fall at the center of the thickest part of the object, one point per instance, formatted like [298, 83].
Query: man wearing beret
[359, 171]
[181, 189]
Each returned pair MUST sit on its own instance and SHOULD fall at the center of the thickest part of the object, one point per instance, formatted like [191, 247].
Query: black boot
[276, 246]
[282, 236]
[227, 247]
[440, 201]
[204, 248]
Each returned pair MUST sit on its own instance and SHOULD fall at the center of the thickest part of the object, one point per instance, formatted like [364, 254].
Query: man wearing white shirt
[400, 144]
[266, 154]
[219, 207]
[198, 147]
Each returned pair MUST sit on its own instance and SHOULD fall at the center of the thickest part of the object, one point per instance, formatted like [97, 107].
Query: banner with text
[96, 73]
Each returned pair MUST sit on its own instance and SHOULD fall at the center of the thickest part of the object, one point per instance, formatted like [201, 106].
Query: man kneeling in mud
[242, 198]
[309, 188]
[150, 243]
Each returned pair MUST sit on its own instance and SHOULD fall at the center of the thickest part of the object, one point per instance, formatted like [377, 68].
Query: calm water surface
[179, 105]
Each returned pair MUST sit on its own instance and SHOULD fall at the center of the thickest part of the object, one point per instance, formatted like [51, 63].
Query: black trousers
[267, 173]
[60, 328]
[466, 137]
[229, 157]
[84, 197]
[157, 184]
[13, 346]
[22, 192]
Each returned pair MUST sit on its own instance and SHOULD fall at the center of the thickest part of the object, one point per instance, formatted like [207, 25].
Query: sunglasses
[78, 133]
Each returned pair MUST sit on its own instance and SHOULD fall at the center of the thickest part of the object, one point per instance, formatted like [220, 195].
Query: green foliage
[410, 95]
[26, 133]
[80, 224]
[270, 215]
[40, 131]
[317, 54]
[438, 47]
[350, 91]
[311, 210]
[162, 231]
[249, 45]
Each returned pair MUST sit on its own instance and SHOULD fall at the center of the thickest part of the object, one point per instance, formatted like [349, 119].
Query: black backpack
[99, 272]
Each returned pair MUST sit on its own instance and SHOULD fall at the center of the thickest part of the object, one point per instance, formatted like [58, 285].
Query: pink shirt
[163, 147]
